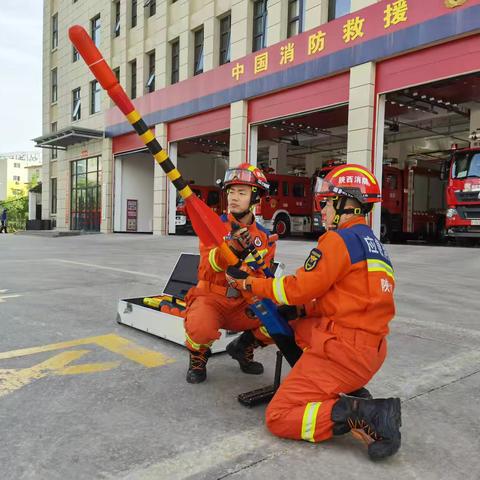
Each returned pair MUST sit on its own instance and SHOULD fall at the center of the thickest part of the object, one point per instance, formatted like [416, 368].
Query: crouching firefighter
[340, 304]
[212, 304]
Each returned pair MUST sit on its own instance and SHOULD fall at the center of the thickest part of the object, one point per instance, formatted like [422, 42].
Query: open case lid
[183, 276]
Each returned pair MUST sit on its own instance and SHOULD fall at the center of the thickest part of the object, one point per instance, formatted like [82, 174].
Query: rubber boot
[343, 428]
[197, 368]
[241, 349]
[376, 422]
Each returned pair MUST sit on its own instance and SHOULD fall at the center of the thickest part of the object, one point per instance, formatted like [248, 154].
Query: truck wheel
[281, 226]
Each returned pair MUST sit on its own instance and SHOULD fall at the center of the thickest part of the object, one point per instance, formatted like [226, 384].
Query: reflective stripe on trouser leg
[196, 346]
[309, 421]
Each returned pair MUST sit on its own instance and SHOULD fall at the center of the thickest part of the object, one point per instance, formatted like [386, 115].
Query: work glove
[238, 279]
[291, 312]
[240, 242]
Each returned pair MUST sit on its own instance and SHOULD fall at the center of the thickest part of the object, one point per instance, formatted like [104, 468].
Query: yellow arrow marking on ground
[12, 379]
[111, 342]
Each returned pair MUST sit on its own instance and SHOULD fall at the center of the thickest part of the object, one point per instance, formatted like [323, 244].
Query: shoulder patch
[224, 217]
[262, 229]
[313, 258]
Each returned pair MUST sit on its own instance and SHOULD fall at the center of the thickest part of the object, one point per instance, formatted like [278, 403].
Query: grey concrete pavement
[117, 418]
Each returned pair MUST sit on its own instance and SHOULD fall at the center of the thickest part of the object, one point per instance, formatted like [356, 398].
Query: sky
[20, 74]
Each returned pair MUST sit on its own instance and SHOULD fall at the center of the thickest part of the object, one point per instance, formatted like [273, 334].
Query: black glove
[240, 241]
[237, 278]
[237, 273]
[288, 312]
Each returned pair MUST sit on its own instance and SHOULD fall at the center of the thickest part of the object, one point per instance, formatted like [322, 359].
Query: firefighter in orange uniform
[210, 305]
[340, 304]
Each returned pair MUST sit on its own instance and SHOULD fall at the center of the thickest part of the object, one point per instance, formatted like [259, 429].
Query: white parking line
[101, 267]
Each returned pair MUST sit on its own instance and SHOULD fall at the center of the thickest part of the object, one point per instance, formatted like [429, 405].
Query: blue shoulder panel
[263, 229]
[373, 248]
[353, 244]
[224, 217]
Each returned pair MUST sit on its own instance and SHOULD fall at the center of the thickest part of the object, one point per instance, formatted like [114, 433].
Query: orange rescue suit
[346, 285]
[208, 307]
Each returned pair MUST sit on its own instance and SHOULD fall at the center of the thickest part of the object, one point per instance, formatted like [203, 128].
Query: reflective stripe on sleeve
[309, 421]
[380, 266]
[279, 290]
[211, 259]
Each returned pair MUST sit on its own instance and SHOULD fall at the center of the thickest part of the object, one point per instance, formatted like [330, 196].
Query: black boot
[241, 349]
[377, 422]
[343, 428]
[197, 368]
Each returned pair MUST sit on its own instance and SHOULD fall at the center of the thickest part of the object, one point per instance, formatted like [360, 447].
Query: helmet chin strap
[339, 206]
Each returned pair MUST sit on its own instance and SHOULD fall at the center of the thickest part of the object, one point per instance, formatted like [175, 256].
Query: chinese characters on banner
[353, 29]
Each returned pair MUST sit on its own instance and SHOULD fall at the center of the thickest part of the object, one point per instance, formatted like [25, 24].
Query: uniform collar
[357, 220]
[232, 219]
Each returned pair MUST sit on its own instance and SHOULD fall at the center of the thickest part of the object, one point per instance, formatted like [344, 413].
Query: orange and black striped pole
[206, 223]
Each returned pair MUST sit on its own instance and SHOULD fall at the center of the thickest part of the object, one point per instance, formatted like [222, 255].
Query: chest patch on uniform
[257, 242]
[312, 260]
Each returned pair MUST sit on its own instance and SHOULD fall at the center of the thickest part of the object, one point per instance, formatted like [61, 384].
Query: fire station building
[286, 85]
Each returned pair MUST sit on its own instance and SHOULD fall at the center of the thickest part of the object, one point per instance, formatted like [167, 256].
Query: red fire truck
[288, 206]
[286, 209]
[412, 205]
[462, 172]
[210, 194]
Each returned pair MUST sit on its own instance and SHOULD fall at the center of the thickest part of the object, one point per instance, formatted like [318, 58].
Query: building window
[16, 178]
[54, 31]
[259, 24]
[116, 28]
[198, 55]
[54, 85]
[94, 97]
[225, 30]
[16, 165]
[175, 61]
[76, 104]
[54, 149]
[152, 7]
[151, 72]
[338, 8]
[53, 195]
[133, 79]
[295, 17]
[75, 54]
[116, 71]
[85, 206]
[133, 18]
[95, 30]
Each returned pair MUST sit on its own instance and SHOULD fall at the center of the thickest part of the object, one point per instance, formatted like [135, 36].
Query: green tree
[17, 211]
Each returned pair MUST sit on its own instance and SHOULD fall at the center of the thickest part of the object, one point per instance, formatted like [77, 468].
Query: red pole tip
[84, 44]
[92, 56]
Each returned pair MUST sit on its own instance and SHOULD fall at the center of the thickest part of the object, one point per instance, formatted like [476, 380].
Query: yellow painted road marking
[111, 342]
[12, 379]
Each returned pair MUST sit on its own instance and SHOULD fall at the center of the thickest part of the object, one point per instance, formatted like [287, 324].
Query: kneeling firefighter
[212, 305]
[340, 304]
